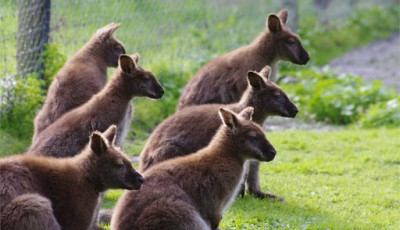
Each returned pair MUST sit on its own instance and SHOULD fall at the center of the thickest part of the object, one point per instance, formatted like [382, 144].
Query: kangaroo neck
[120, 86]
[92, 53]
[264, 48]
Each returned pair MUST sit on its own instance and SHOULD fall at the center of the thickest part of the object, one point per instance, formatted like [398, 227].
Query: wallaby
[222, 79]
[39, 192]
[192, 128]
[82, 76]
[192, 192]
[70, 133]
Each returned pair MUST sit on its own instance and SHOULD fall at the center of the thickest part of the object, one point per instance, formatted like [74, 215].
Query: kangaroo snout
[271, 154]
[305, 58]
[293, 112]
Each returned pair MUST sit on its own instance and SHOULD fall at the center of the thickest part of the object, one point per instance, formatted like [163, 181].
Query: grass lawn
[347, 179]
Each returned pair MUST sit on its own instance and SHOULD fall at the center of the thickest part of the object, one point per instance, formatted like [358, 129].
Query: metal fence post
[33, 34]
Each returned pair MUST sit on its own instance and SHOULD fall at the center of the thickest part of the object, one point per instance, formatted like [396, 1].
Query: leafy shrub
[27, 98]
[386, 113]
[336, 99]
[22, 97]
[53, 60]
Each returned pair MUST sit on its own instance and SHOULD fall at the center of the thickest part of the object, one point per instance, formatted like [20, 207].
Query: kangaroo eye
[120, 166]
[291, 42]
[147, 80]
[120, 50]
[253, 138]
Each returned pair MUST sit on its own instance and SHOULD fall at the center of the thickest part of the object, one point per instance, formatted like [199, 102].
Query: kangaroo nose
[307, 57]
[295, 110]
[272, 152]
[141, 179]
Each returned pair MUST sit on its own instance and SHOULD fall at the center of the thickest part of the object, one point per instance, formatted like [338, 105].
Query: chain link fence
[172, 28]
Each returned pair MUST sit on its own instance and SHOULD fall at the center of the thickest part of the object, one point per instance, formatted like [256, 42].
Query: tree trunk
[33, 34]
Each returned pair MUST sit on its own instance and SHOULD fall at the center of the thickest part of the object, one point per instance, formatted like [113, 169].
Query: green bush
[22, 97]
[27, 98]
[336, 99]
[386, 113]
[53, 60]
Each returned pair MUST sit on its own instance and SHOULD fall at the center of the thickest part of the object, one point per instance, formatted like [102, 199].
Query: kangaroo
[39, 192]
[192, 128]
[221, 80]
[70, 133]
[82, 76]
[192, 192]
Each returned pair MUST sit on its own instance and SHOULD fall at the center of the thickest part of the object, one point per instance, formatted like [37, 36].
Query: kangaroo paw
[242, 190]
[262, 195]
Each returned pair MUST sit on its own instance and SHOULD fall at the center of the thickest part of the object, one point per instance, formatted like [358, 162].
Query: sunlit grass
[347, 179]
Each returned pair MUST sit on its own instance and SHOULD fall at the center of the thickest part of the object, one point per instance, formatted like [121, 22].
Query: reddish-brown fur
[39, 192]
[192, 128]
[192, 192]
[84, 75]
[70, 133]
[222, 79]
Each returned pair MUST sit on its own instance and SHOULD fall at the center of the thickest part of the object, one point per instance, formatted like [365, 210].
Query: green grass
[347, 179]
[11, 145]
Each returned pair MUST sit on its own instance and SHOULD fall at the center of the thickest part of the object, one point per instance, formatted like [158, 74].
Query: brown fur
[46, 193]
[222, 79]
[191, 129]
[192, 192]
[70, 133]
[82, 76]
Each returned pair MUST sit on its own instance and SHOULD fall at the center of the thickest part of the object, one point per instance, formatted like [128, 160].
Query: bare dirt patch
[379, 60]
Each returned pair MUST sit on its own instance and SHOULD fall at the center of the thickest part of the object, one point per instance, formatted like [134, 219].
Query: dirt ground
[378, 60]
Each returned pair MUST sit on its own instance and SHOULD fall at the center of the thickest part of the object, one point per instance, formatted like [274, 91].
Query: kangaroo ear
[266, 72]
[247, 113]
[229, 119]
[110, 134]
[135, 57]
[98, 143]
[126, 63]
[256, 80]
[274, 23]
[107, 31]
[283, 15]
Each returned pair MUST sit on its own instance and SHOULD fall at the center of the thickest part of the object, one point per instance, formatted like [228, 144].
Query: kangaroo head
[250, 139]
[288, 44]
[113, 166]
[266, 97]
[110, 46]
[142, 82]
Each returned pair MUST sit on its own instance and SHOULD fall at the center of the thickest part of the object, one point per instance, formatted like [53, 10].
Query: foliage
[386, 113]
[343, 179]
[325, 42]
[324, 96]
[21, 98]
[11, 145]
[27, 98]
[53, 61]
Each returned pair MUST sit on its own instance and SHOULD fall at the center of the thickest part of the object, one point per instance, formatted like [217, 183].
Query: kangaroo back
[222, 79]
[84, 75]
[195, 185]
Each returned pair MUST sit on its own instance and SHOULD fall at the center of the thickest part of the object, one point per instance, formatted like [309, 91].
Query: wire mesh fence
[171, 28]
